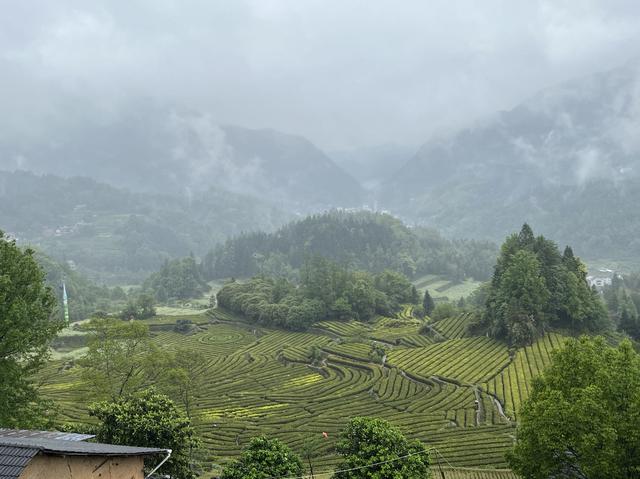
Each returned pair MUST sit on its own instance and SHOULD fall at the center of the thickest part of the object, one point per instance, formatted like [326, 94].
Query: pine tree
[427, 303]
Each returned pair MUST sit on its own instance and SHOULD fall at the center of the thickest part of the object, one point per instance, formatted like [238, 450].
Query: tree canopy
[372, 448]
[119, 357]
[264, 458]
[534, 286]
[27, 326]
[177, 279]
[149, 419]
[582, 418]
[326, 291]
[364, 241]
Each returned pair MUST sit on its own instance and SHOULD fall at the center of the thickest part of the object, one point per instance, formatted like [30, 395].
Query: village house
[28, 454]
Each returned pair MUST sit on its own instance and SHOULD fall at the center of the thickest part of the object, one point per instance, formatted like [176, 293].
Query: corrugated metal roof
[28, 433]
[13, 460]
[62, 447]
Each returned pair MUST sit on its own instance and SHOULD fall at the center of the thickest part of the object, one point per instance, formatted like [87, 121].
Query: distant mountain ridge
[156, 149]
[569, 151]
[114, 234]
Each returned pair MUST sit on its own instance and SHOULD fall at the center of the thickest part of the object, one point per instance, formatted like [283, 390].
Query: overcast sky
[342, 73]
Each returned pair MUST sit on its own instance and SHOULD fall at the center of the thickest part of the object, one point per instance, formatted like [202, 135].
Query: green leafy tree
[185, 378]
[533, 286]
[149, 419]
[146, 306]
[582, 418]
[374, 449]
[118, 358]
[264, 458]
[179, 279]
[427, 303]
[27, 326]
[522, 298]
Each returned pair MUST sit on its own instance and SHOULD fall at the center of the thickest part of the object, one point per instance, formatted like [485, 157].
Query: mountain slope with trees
[152, 147]
[112, 233]
[365, 241]
[567, 160]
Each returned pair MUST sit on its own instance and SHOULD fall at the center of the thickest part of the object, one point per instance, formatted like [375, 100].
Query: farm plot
[441, 288]
[512, 385]
[453, 328]
[468, 360]
[261, 382]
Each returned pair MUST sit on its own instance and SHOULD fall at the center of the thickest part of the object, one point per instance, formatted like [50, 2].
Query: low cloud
[343, 74]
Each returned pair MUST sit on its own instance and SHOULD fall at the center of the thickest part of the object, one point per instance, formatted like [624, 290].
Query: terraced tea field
[441, 288]
[451, 394]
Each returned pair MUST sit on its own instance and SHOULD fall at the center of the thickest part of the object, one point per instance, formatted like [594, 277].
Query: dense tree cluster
[582, 418]
[535, 286]
[623, 299]
[143, 307]
[326, 291]
[177, 279]
[364, 241]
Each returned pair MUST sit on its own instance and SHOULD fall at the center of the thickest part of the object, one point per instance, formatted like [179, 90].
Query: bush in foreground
[374, 449]
[264, 458]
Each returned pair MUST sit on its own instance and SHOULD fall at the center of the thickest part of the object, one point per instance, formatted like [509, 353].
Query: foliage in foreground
[264, 458]
[326, 291]
[375, 449]
[149, 419]
[583, 416]
[534, 286]
[27, 326]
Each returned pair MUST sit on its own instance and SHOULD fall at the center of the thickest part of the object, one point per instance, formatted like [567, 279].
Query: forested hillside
[114, 234]
[565, 161]
[364, 241]
[152, 147]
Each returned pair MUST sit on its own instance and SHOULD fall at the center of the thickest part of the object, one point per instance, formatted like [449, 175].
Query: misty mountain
[373, 165]
[567, 160]
[114, 234]
[155, 149]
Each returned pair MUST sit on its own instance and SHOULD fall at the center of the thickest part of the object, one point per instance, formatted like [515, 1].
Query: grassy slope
[261, 382]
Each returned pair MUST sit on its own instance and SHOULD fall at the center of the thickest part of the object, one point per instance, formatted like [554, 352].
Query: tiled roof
[59, 446]
[29, 433]
[13, 460]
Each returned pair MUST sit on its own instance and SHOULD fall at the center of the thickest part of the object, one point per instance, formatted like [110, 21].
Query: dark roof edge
[79, 448]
